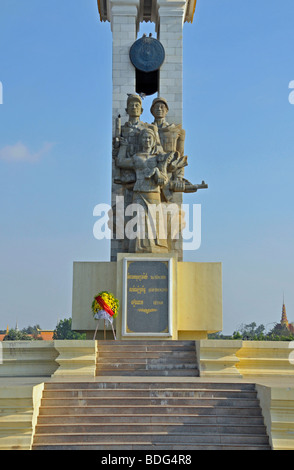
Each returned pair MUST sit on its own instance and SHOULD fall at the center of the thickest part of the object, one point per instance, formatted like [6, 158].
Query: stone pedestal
[160, 298]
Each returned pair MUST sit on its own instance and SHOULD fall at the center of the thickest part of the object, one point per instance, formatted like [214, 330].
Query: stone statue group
[149, 164]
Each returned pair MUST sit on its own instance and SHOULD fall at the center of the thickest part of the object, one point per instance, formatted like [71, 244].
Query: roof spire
[284, 319]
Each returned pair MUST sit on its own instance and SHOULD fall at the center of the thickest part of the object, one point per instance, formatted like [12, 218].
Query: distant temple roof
[46, 335]
[148, 10]
[284, 320]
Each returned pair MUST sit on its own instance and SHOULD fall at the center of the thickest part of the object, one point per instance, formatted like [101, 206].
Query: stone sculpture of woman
[150, 167]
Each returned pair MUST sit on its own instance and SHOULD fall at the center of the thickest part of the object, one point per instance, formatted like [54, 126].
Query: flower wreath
[105, 306]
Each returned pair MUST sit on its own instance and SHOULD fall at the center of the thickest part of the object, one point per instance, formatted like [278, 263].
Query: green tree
[63, 331]
[15, 335]
[280, 333]
[250, 332]
[236, 335]
[218, 335]
[33, 330]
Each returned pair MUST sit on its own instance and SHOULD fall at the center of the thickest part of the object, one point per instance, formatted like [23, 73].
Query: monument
[160, 295]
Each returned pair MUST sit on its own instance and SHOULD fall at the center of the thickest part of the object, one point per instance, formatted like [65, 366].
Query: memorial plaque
[147, 297]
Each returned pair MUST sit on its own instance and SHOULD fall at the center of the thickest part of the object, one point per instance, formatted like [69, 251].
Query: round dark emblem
[147, 54]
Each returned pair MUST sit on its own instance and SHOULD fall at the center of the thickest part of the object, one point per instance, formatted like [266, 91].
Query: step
[151, 447]
[147, 342]
[149, 438]
[143, 351]
[143, 428]
[142, 345]
[150, 385]
[130, 351]
[118, 366]
[148, 365]
[147, 393]
[149, 401]
[149, 373]
[152, 419]
[148, 357]
[150, 410]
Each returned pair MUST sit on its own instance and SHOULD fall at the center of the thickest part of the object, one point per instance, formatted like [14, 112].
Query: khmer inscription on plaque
[147, 297]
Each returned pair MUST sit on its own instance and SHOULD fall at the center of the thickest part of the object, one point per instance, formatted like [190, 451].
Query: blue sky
[55, 151]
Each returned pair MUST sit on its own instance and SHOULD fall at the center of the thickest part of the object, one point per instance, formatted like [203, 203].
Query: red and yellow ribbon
[104, 305]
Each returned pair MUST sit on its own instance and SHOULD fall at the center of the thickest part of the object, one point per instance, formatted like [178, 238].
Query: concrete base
[195, 293]
[269, 365]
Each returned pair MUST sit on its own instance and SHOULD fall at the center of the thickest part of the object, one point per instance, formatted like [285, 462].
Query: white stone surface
[124, 16]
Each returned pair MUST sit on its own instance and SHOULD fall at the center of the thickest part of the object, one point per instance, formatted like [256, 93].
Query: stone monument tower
[169, 17]
[160, 295]
[147, 66]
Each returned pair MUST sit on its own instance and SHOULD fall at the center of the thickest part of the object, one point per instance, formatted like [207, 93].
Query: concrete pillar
[124, 26]
[171, 15]
[169, 27]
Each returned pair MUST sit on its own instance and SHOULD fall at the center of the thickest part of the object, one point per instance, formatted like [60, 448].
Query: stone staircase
[150, 415]
[147, 358]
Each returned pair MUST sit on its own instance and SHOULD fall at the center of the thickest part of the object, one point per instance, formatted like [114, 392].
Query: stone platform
[151, 412]
[192, 307]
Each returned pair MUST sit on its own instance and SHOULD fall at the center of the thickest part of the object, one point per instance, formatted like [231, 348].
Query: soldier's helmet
[159, 100]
